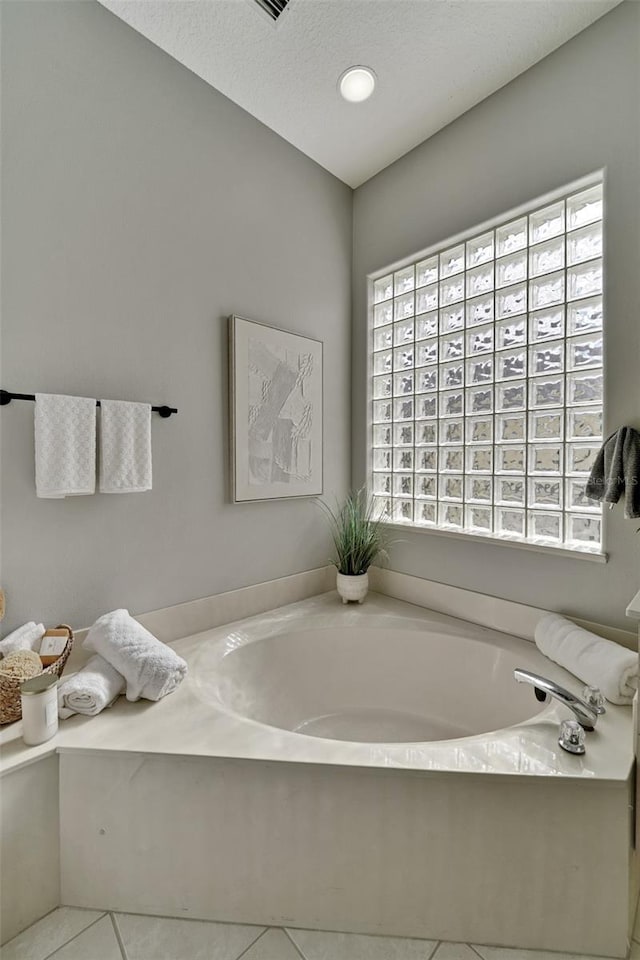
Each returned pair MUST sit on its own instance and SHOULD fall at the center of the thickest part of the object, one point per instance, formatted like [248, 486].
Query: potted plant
[359, 538]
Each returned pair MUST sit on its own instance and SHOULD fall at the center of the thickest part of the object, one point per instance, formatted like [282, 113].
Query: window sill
[470, 537]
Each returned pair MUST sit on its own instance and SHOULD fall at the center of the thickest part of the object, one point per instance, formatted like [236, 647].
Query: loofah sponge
[21, 665]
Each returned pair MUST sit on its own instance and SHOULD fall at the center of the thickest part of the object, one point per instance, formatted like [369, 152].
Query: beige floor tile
[158, 938]
[455, 951]
[99, 942]
[272, 945]
[318, 945]
[45, 936]
[506, 953]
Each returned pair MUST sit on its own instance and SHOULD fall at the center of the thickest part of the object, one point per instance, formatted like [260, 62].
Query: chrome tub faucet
[585, 714]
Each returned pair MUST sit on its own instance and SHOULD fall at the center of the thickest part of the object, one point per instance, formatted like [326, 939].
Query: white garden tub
[371, 769]
[408, 682]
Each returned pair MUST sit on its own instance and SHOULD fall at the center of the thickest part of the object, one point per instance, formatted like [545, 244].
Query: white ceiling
[434, 60]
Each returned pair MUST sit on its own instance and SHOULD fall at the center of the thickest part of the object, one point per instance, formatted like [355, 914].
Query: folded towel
[596, 661]
[616, 471]
[65, 434]
[125, 447]
[90, 690]
[151, 668]
[26, 637]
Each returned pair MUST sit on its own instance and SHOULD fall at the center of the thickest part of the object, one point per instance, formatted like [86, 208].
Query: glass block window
[486, 376]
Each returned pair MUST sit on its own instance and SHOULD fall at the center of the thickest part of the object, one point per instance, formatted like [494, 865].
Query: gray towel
[616, 471]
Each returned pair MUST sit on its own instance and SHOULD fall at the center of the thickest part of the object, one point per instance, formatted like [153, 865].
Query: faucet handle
[571, 737]
[593, 698]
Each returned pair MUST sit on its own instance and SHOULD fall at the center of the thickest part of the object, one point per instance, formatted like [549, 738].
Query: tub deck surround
[414, 839]
[533, 863]
[190, 723]
[30, 862]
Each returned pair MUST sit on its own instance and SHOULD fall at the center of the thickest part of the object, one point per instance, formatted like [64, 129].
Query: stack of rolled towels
[127, 659]
[595, 661]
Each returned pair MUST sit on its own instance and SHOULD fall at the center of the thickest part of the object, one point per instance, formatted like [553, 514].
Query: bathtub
[411, 682]
[390, 684]
[369, 769]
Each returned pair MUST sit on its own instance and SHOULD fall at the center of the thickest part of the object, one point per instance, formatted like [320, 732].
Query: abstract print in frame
[276, 412]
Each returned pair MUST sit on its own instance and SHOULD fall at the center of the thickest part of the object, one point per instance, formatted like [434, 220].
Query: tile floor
[69, 933]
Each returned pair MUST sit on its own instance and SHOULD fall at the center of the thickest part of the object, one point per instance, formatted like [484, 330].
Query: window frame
[600, 555]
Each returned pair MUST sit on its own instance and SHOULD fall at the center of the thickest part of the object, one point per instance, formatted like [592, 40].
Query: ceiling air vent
[275, 8]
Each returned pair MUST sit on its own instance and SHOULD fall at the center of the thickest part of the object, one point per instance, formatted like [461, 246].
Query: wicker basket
[10, 704]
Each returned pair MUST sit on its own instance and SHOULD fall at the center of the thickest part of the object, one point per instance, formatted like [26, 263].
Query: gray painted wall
[140, 208]
[573, 113]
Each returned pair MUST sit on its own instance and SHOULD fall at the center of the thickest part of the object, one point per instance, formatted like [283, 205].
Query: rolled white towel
[26, 637]
[596, 661]
[90, 690]
[150, 668]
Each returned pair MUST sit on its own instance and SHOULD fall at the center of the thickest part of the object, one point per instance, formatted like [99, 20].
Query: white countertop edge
[54, 749]
[620, 782]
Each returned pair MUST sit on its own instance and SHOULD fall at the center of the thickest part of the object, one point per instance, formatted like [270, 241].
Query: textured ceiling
[434, 60]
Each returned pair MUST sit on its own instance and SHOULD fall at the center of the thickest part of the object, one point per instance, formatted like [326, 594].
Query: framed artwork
[276, 412]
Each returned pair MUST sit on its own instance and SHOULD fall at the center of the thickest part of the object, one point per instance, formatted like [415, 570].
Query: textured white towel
[598, 662]
[125, 447]
[26, 637]
[65, 434]
[90, 690]
[151, 668]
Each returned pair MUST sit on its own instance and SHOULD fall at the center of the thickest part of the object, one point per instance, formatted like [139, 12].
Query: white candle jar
[39, 698]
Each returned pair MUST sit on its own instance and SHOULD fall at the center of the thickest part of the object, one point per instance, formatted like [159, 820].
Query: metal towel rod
[6, 397]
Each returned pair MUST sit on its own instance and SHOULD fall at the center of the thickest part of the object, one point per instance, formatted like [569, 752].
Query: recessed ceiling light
[357, 84]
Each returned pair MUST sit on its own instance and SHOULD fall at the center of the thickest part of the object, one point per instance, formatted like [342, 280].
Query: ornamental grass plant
[359, 536]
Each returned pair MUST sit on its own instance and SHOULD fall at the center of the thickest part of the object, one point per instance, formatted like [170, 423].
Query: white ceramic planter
[352, 588]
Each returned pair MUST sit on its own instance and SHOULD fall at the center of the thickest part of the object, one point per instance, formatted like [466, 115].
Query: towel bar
[6, 397]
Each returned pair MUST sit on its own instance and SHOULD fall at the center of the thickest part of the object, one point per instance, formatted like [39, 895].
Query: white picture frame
[276, 407]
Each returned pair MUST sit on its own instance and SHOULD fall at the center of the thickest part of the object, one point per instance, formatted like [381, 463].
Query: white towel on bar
[598, 662]
[26, 637]
[151, 668]
[65, 435]
[125, 447]
[90, 690]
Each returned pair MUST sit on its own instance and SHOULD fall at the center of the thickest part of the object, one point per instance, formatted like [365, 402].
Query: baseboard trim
[507, 616]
